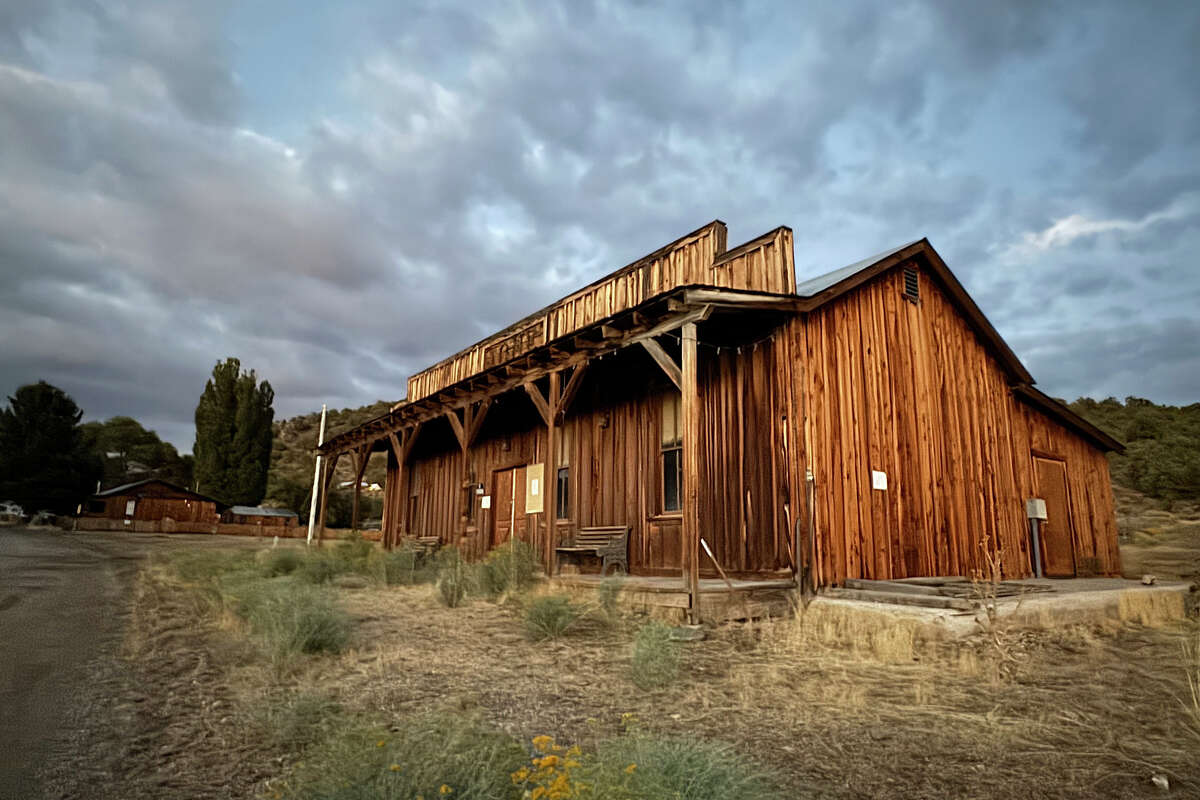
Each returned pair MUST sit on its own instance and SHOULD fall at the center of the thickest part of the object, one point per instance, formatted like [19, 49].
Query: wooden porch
[717, 600]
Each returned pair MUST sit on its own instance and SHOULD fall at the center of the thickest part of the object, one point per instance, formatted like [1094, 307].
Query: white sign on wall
[485, 501]
[878, 480]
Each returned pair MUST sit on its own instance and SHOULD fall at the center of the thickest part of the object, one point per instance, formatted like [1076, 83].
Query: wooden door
[1057, 532]
[508, 505]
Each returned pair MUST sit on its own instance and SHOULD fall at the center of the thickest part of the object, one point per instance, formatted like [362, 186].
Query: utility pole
[312, 507]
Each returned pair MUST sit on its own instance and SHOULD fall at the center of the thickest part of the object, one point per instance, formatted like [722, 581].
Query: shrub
[352, 554]
[508, 568]
[607, 595]
[454, 577]
[655, 661]
[406, 566]
[292, 619]
[318, 568]
[643, 767]
[549, 617]
[282, 561]
[201, 566]
[295, 722]
[466, 756]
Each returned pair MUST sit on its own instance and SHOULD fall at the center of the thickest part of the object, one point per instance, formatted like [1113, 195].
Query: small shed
[150, 506]
[264, 517]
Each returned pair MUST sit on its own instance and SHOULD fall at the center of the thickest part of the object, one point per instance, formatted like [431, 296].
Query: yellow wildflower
[520, 775]
[380, 743]
[548, 762]
[394, 767]
[543, 742]
[538, 792]
[630, 768]
[574, 751]
[444, 789]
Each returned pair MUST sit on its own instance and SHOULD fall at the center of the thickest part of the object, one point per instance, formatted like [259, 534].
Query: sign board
[878, 480]
[534, 499]
[485, 501]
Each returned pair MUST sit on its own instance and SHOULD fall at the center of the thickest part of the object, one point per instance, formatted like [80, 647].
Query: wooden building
[260, 517]
[150, 506]
[867, 423]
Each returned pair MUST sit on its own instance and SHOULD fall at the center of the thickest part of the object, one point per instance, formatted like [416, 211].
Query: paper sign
[485, 501]
[534, 501]
[879, 480]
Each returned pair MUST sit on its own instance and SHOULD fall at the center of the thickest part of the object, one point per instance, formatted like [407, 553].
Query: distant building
[150, 506]
[263, 517]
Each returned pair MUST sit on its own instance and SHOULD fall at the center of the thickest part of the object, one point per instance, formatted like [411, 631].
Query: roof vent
[912, 289]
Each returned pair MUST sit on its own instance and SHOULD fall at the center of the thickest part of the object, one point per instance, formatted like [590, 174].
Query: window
[562, 497]
[672, 454]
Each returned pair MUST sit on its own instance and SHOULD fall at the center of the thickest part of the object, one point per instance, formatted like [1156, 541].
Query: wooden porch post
[361, 457]
[691, 472]
[550, 472]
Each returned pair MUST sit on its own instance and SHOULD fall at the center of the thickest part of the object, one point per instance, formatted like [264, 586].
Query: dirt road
[63, 606]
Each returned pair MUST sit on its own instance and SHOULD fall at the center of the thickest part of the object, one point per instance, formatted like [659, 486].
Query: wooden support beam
[691, 471]
[477, 418]
[361, 456]
[550, 470]
[664, 360]
[611, 332]
[539, 401]
[329, 466]
[572, 389]
[456, 424]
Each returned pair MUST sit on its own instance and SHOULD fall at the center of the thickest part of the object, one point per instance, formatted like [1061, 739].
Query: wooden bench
[426, 545]
[610, 545]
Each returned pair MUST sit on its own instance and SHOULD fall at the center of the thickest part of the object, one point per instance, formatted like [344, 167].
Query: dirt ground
[1074, 713]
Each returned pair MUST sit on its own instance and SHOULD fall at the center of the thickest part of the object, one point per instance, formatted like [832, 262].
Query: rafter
[664, 360]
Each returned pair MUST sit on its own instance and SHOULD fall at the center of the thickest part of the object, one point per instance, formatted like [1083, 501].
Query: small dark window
[561, 503]
[672, 454]
[96, 507]
[912, 288]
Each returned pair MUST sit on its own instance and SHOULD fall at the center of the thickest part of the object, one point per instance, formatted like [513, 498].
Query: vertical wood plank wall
[908, 389]
[613, 440]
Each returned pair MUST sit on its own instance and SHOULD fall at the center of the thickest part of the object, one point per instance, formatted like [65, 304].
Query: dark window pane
[562, 493]
[671, 479]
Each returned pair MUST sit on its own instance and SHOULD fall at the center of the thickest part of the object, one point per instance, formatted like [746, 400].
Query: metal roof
[814, 286]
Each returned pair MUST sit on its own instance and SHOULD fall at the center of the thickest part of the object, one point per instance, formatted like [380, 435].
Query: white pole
[312, 507]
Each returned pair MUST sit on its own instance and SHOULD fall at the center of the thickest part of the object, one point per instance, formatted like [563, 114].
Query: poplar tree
[233, 435]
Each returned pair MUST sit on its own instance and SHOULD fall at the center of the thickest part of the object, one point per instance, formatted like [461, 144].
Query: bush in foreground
[431, 756]
[640, 766]
[655, 662]
[549, 617]
[454, 577]
[511, 567]
[292, 619]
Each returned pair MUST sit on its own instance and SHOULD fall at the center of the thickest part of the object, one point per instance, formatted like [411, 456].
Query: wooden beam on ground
[691, 471]
[664, 360]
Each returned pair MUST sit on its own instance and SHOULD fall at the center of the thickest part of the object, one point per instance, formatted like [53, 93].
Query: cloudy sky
[342, 196]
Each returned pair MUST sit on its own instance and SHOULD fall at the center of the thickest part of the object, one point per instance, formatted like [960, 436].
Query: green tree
[123, 444]
[44, 461]
[233, 435]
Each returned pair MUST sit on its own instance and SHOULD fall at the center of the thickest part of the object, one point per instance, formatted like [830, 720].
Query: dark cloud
[479, 162]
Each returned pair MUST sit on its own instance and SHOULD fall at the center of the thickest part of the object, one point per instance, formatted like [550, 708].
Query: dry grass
[840, 704]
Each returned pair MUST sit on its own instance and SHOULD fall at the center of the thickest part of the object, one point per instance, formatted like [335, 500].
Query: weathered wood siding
[613, 441]
[908, 389]
[763, 264]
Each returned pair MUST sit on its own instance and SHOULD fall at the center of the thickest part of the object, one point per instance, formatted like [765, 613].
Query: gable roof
[259, 511]
[823, 289]
[127, 488]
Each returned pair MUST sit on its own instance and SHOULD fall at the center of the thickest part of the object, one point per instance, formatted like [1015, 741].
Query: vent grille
[912, 288]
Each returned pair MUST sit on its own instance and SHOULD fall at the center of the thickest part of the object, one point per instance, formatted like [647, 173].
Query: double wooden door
[1057, 531]
[508, 506]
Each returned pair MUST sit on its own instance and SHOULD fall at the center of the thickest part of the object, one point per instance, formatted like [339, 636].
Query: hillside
[292, 460]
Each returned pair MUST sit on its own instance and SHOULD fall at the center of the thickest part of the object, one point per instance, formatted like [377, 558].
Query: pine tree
[44, 461]
[233, 435]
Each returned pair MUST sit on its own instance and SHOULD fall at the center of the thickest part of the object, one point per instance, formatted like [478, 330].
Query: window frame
[670, 449]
